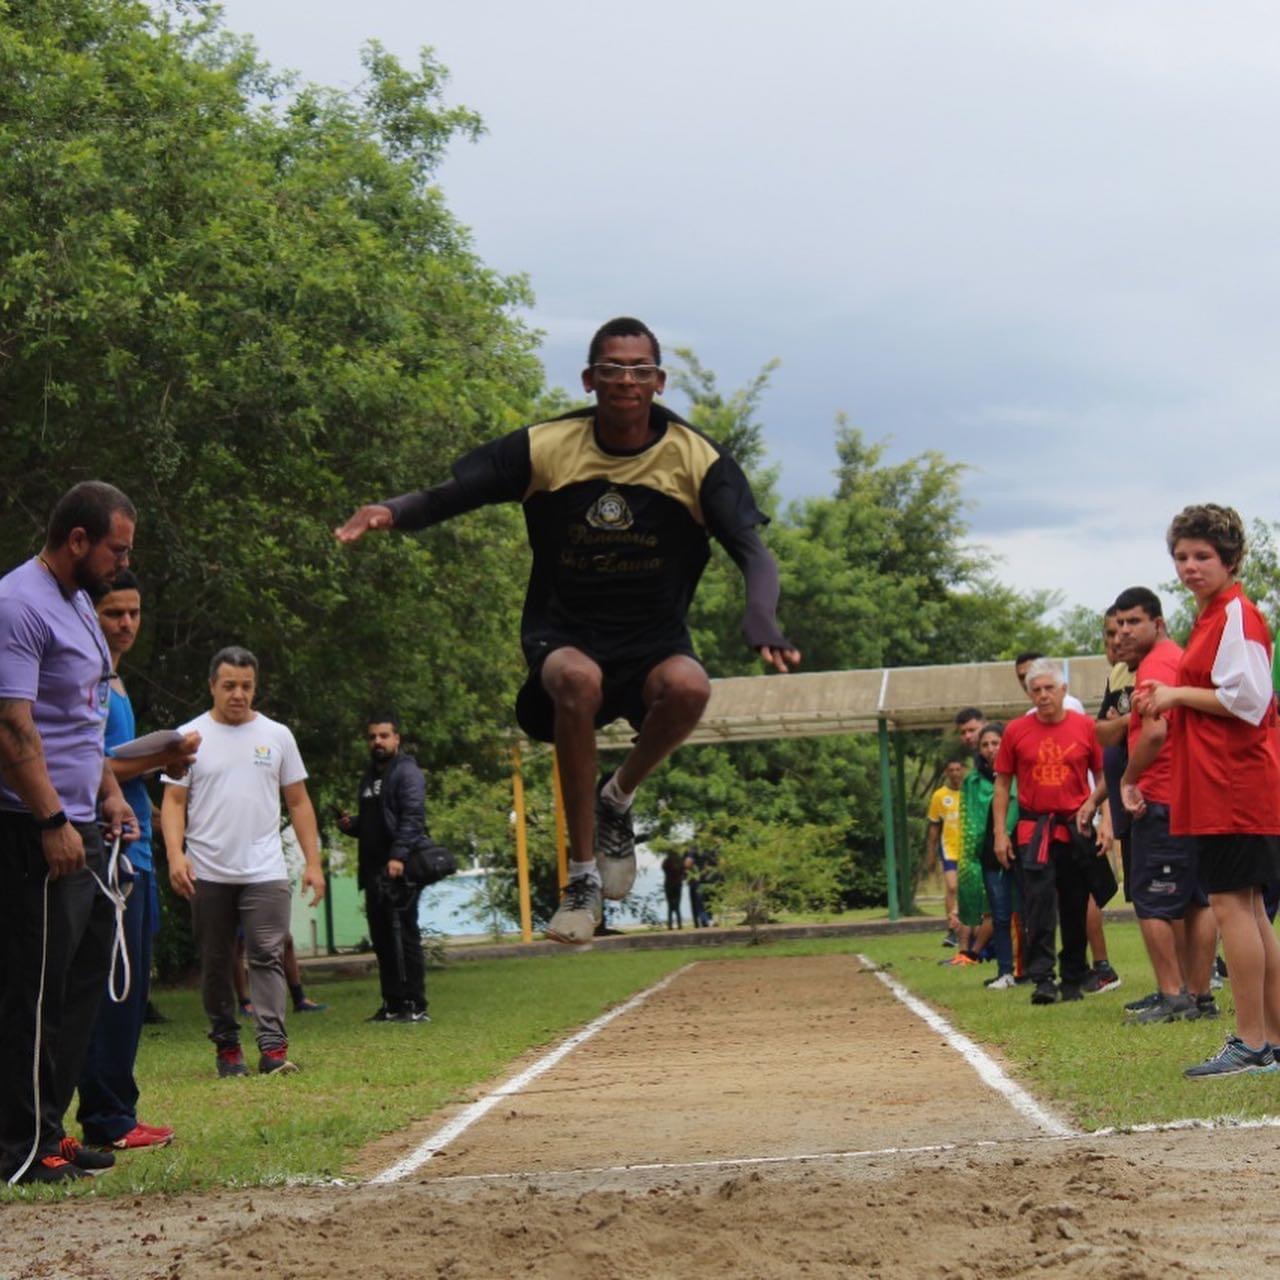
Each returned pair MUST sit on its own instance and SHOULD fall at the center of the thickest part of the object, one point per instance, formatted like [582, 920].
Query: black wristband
[53, 821]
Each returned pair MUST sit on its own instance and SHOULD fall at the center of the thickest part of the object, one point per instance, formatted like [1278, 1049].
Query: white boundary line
[469, 1115]
[987, 1068]
[936, 1148]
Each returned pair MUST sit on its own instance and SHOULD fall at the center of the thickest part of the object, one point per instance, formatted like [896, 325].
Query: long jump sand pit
[758, 1118]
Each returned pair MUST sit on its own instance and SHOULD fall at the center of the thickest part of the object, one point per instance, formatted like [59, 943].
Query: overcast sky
[1039, 237]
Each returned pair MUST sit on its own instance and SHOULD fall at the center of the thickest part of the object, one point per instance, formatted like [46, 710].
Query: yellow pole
[522, 849]
[562, 831]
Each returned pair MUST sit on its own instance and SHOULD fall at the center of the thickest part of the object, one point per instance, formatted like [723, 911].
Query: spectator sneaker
[382, 1014]
[615, 847]
[1235, 1058]
[231, 1061]
[52, 1169]
[410, 1013]
[275, 1062]
[142, 1135]
[580, 910]
[1005, 982]
[307, 1005]
[1045, 993]
[1137, 1006]
[1103, 978]
[1165, 1009]
[83, 1157]
[1206, 1007]
[1069, 991]
[951, 940]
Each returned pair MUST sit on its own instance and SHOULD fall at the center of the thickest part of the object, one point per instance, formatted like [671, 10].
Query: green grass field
[1080, 1057]
[360, 1080]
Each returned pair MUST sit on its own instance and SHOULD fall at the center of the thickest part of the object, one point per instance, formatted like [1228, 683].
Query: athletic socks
[617, 798]
[588, 869]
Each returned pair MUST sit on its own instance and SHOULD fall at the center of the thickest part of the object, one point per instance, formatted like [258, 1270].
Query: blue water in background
[444, 907]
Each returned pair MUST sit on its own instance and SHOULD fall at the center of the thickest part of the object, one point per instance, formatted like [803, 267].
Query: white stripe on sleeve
[1242, 670]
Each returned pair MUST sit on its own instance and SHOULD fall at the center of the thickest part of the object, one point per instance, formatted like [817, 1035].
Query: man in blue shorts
[620, 502]
[1172, 908]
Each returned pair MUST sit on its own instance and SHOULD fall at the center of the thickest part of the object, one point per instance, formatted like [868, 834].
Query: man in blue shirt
[108, 1112]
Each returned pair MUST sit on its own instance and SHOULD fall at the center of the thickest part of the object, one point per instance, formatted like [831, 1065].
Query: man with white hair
[1051, 754]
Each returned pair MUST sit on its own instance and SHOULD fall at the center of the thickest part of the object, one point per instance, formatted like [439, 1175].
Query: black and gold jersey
[619, 539]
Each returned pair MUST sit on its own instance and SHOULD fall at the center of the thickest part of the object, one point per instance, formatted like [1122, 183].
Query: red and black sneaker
[52, 1169]
[275, 1062]
[231, 1061]
[83, 1157]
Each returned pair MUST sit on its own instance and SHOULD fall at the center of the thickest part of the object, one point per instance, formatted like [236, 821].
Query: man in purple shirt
[55, 926]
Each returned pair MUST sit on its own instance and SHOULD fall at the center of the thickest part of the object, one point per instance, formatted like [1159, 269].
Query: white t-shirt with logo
[233, 800]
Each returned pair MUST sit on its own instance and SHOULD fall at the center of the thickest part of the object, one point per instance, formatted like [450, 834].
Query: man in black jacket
[389, 825]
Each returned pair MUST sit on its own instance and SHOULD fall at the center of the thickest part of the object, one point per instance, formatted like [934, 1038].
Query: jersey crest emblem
[610, 511]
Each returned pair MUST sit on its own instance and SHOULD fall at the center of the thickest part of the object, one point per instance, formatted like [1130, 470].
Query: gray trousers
[263, 911]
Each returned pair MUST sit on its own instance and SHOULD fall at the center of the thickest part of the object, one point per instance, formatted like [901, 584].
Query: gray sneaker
[1235, 1058]
[615, 847]
[579, 912]
[1166, 1009]
[1207, 1007]
[1137, 1006]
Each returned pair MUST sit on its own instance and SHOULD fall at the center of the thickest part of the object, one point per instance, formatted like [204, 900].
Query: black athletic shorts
[1164, 880]
[624, 677]
[1232, 862]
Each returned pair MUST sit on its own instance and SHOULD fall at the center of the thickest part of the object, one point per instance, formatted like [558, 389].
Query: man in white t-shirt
[221, 825]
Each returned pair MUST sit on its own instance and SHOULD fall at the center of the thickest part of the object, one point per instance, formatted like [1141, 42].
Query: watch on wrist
[53, 821]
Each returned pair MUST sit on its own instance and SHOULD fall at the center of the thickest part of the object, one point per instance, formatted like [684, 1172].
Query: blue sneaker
[1235, 1058]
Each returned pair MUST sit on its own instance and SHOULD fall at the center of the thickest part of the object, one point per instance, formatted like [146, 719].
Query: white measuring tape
[117, 894]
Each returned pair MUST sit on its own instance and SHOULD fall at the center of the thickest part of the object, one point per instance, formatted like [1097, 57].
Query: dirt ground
[758, 1098]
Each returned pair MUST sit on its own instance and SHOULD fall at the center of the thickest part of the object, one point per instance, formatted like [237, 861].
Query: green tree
[762, 869]
[880, 573]
[247, 303]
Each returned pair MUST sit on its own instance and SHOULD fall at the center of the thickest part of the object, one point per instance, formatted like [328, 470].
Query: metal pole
[902, 830]
[562, 830]
[522, 849]
[886, 809]
[328, 913]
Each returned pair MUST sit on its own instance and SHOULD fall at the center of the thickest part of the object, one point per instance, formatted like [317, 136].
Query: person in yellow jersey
[943, 841]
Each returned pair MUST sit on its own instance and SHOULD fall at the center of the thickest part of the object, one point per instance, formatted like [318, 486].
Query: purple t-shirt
[54, 655]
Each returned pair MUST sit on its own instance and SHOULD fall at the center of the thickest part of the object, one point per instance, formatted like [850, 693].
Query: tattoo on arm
[19, 741]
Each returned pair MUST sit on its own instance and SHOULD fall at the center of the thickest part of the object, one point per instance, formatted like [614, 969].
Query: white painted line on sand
[1177, 1126]
[987, 1068]
[729, 1162]
[936, 1148]
[469, 1115]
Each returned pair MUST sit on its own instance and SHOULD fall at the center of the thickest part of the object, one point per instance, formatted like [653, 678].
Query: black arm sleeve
[498, 471]
[431, 506]
[411, 789]
[760, 571]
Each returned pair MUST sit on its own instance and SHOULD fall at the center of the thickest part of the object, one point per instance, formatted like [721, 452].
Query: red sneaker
[165, 1129]
[231, 1061]
[142, 1135]
[276, 1062]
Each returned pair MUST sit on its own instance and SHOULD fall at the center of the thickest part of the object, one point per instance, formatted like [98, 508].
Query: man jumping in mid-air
[619, 501]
